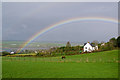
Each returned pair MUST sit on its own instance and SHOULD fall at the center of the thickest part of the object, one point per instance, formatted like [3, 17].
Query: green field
[91, 65]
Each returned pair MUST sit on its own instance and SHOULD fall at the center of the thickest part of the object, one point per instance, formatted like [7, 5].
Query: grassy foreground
[92, 65]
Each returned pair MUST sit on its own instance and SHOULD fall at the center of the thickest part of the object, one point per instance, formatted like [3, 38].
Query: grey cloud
[23, 20]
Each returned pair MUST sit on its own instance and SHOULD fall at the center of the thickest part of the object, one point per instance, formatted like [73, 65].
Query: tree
[95, 42]
[68, 47]
[102, 42]
[68, 44]
[118, 41]
[4, 53]
[108, 46]
[113, 42]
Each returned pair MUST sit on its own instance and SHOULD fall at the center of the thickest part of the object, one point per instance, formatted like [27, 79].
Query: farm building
[88, 47]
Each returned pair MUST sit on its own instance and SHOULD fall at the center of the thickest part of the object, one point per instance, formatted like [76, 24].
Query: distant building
[36, 52]
[103, 44]
[12, 52]
[89, 47]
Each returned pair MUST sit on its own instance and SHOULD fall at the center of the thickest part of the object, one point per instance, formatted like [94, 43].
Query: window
[85, 47]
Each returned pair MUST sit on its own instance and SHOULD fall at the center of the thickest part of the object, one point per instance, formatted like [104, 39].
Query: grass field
[92, 65]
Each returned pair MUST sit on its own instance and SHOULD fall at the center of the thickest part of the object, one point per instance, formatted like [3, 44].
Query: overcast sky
[22, 20]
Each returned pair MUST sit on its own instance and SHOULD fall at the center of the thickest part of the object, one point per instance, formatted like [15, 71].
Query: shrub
[5, 53]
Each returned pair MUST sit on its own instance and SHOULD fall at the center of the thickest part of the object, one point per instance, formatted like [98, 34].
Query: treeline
[64, 50]
[113, 43]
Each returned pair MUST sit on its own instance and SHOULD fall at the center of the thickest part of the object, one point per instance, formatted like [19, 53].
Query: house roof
[85, 44]
[90, 44]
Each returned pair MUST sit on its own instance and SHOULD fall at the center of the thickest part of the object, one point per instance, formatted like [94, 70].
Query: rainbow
[49, 28]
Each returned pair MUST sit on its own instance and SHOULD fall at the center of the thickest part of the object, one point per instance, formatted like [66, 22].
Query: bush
[5, 53]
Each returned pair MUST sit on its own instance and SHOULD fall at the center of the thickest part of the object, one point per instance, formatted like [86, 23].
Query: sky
[22, 20]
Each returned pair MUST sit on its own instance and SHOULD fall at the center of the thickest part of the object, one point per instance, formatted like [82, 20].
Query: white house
[89, 47]
[12, 52]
